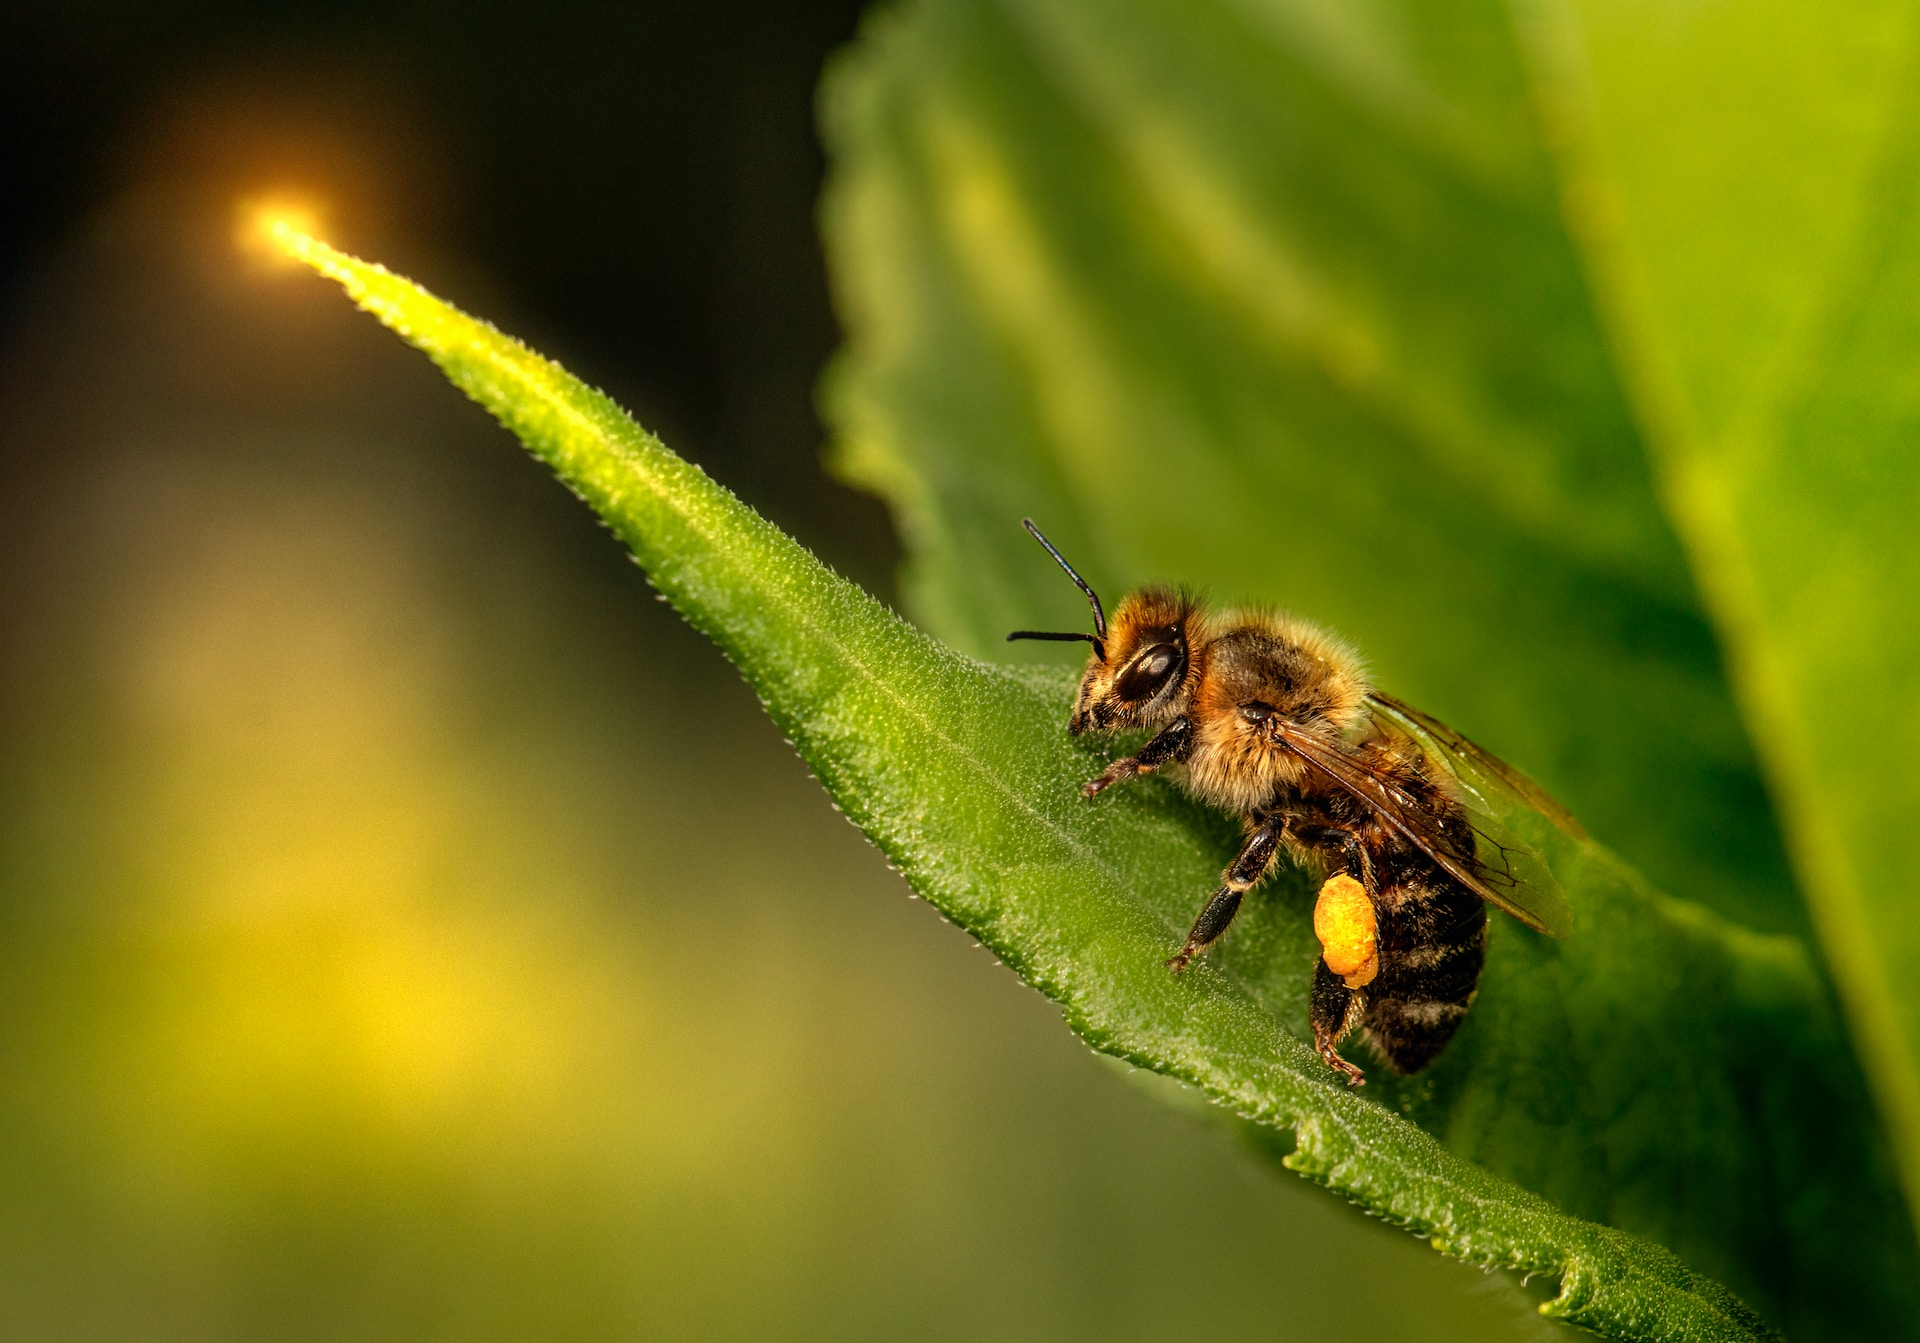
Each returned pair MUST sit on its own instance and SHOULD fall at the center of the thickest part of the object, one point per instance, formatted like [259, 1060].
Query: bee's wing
[1503, 868]
[1484, 777]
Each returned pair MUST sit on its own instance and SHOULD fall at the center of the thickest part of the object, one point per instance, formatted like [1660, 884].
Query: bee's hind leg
[1255, 857]
[1335, 1010]
[1340, 839]
[1169, 746]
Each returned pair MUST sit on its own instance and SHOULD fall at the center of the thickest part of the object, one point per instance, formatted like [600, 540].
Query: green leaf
[1278, 298]
[960, 773]
[1748, 177]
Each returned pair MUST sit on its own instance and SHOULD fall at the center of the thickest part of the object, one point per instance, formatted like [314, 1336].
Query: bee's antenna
[1052, 636]
[1099, 616]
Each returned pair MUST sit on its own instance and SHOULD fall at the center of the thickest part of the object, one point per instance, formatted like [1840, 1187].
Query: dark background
[407, 927]
[636, 182]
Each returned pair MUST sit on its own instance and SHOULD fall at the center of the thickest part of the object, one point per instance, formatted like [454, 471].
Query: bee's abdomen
[1433, 935]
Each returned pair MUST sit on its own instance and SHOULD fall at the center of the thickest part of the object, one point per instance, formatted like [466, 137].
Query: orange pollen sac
[1343, 920]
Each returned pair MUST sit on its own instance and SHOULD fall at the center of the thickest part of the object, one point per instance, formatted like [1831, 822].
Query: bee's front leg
[1255, 857]
[1169, 747]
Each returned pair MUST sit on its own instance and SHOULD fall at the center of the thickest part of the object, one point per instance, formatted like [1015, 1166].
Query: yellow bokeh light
[266, 225]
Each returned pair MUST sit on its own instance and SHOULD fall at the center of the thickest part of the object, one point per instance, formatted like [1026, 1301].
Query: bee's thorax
[1260, 671]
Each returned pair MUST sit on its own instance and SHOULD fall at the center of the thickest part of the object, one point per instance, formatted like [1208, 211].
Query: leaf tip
[285, 230]
[281, 227]
[290, 235]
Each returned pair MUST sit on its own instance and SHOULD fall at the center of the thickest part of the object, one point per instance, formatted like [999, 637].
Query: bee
[1409, 822]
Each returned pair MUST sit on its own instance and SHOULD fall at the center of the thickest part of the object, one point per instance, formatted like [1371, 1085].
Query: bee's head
[1138, 673]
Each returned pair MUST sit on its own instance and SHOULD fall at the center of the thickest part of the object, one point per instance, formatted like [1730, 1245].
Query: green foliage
[959, 771]
[1747, 175]
[1282, 299]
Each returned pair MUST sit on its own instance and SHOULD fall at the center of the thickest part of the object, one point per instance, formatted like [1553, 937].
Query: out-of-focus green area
[410, 930]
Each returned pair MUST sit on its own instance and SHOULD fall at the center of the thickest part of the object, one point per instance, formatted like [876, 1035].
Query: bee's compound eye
[1256, 711]
[1150, 672]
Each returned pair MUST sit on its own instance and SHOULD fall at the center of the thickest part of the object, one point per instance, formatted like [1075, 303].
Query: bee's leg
[1255, 857]
[1169, 746]
[1339, 839]
[1335, 1010]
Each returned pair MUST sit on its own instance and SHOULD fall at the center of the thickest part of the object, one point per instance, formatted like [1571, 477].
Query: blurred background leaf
[1746, 180]
[1279, 299]
[1286, 310]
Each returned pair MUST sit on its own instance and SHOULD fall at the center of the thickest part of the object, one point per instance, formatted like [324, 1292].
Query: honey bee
[1411, 824]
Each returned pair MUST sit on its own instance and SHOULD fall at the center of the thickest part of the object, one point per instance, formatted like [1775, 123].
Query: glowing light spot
[276, 228]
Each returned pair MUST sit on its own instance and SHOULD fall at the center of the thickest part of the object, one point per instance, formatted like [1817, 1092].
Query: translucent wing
[1507, 810]
[1476, 769]
[1503, 868]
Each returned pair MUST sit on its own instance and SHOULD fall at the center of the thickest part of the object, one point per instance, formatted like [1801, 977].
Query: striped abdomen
[1430, 942]
[1433, 937]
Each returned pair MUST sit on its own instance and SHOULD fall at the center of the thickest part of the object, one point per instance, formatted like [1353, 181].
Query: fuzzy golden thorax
[1261, 666]
[1142, 674]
